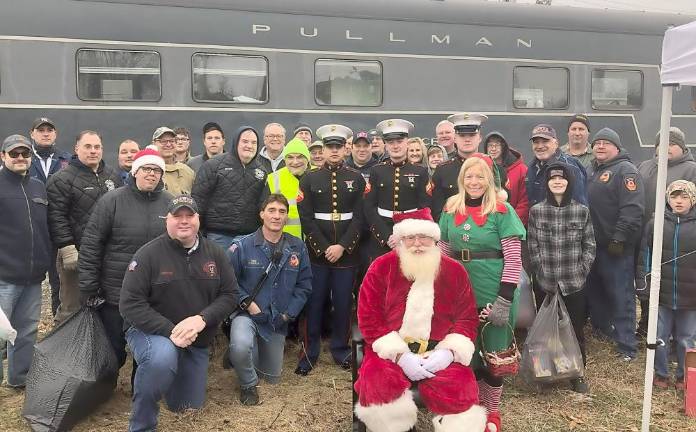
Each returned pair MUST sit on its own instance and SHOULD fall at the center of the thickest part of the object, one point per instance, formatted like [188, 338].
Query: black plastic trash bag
[73, 371]
[551, 352]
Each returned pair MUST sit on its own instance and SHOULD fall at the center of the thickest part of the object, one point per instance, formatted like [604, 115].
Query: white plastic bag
[7, 333]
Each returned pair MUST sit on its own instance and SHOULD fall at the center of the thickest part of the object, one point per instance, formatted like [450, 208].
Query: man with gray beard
[417, 313]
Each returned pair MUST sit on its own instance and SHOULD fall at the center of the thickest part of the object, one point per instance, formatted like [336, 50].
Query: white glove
[411, 365]
[68, 255]
[437, 360]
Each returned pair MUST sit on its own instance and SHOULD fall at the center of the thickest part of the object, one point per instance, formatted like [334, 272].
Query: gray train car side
[124, 67]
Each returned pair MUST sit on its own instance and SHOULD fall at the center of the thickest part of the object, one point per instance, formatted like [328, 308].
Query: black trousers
[576, 305]
[113, 324]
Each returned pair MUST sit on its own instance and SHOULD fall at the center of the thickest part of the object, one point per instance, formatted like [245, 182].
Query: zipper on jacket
[675, 267]
[31, 231]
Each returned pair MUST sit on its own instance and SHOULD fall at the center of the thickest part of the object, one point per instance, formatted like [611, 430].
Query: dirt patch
[322, 401]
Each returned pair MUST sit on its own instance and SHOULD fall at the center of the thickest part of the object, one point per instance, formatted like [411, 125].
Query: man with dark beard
[417, 313]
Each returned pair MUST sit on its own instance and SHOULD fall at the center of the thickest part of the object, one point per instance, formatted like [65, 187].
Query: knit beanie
[147, 156]
[676, 137]
[683, 186]
[295, 145]
[579, 118]
[608, 135]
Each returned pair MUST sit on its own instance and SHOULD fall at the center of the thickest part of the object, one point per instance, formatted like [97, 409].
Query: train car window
[617, 89]
[348, 82]
[540, 87]
[118, 75]
[229, 78]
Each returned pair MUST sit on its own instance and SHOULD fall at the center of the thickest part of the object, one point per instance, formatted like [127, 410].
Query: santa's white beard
[419, 267]
[422, 269]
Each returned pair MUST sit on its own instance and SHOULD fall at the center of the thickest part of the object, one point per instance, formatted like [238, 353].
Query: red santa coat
[390, 307]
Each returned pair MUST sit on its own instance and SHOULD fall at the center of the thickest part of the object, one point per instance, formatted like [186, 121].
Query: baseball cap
[14, 141]
[543, 131]
[181, 201]
[161, 131]
[39, 121]
[362, 135]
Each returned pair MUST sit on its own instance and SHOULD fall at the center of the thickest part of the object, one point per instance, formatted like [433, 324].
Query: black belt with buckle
[467, 255]
[417, 347]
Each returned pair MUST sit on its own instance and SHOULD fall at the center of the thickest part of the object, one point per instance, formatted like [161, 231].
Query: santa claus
[417, 313]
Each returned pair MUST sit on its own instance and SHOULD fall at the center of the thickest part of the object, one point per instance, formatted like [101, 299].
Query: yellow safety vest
[283, 182]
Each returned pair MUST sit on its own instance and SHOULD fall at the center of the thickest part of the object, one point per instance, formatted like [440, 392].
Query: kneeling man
[417, 313]
[176, 291]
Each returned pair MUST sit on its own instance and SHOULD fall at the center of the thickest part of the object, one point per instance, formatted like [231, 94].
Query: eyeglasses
[422, 239]
[150, 170]
[167, 141]
[26, 154]
[183, 139]
[274, 136]
[494, 145]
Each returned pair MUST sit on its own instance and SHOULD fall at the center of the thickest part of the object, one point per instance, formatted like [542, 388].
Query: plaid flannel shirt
[561, 246]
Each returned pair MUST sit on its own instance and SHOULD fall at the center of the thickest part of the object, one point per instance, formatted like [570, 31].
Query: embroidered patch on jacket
[294, 260]
[630, 183]
[210, 269]
[133, 264]
[604, 178]
[109, 185]
[368, 188]
[300, 196]
[259, 174]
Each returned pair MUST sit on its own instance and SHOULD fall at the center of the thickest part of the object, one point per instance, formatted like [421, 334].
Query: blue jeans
[681, 325]
[252, 355]
[22, 305]
[223, 240]
[164, 370]
[337, 284]
[611, 298]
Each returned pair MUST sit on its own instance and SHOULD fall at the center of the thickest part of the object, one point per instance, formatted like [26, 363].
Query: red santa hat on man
[147, 156]
[416, 222]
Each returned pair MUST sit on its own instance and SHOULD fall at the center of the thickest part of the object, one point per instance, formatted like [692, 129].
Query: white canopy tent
[678, 68]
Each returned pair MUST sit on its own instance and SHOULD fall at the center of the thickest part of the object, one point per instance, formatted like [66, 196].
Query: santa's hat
[147, 156]
[416, 222]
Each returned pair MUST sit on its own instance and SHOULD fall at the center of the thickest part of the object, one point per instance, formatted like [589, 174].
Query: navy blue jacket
[288, 285]
[616, 196]
[24, 239]
[59, 160]
[536, 178]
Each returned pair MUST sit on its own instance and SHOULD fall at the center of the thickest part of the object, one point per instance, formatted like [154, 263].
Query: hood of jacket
[568, 174]
[686, 157]
[509, 155]
[234, 149]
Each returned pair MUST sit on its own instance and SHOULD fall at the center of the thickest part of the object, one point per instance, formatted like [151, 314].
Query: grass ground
[322, 402]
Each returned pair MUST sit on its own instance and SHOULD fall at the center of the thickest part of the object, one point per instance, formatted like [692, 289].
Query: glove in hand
[68, 255]
[500, 312]
[437, 360]
[411, 365]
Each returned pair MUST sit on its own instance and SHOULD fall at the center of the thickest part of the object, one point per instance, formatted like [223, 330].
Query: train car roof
[450, 12]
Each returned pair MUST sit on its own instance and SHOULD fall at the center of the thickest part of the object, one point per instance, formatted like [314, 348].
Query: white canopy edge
[679, 55]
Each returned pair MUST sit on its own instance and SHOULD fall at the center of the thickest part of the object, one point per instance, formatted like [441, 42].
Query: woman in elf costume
[483, 232]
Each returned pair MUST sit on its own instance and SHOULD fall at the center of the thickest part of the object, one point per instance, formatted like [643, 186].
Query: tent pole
[656, 268]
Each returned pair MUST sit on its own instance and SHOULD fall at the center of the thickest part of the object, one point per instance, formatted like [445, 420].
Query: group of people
[273, 235]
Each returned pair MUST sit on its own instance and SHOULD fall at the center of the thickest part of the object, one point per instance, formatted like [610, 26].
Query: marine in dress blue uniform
[330, 203]
[395, 186]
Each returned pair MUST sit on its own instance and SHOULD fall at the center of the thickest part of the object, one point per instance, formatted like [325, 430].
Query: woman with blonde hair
[483, 232]
[417, 152]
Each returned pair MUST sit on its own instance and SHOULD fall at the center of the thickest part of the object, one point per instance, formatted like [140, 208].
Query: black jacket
[616, 198]
[24, 241]
[678, 279]
[166, 283]
[121, 222]
[229, 193]
[72, 192]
